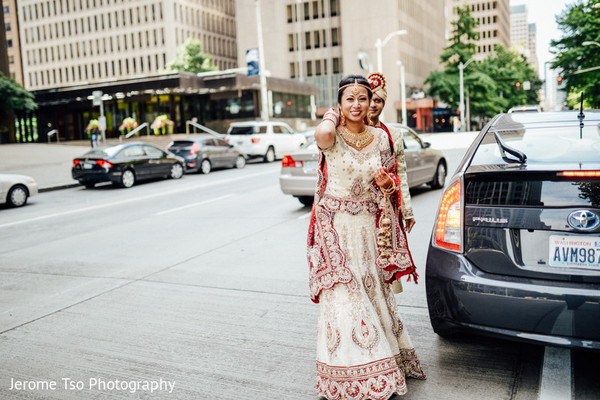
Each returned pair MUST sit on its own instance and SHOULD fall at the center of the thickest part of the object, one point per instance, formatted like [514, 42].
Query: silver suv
[267, 139]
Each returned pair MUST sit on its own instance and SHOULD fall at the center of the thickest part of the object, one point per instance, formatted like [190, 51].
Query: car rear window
[247, 130]
[104, 153]
[182, 143]
[556, 144]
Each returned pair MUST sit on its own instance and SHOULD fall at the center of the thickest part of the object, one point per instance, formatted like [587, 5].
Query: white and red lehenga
[363, 349]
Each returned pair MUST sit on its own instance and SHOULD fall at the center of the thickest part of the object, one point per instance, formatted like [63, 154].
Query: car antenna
[581, 116]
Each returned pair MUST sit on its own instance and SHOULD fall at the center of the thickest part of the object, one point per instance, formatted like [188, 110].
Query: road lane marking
[193, 205]
[135, 199]
[556, 374]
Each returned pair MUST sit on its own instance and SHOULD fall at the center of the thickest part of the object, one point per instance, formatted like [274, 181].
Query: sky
[542, 13]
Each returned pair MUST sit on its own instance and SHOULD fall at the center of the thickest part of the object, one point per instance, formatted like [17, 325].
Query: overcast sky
[542, 13]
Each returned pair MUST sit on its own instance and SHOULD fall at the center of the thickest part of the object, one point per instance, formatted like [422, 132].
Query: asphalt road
[197, 289]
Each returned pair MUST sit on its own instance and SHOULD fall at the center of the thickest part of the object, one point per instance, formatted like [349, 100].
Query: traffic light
[518, 85]
[559, 79]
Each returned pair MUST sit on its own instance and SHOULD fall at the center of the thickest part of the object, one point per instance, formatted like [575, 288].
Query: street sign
[526, 85]
[97, 97]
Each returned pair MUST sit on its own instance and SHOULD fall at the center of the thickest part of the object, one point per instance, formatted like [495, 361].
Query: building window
[336, 65]
[7, 25]
[495, 33]
[307, 39]
[292, 70]
[309, 68]
[317, 37]
[334, 37]
[495, 18]
[324, 39]
[289, 14]
[333, 5]
[6, 10]
[315, 9]
[9, 42]
[494, 4]
[11, 59]
[306, 11]
[325, 67]
[318, 67]
[291, 42]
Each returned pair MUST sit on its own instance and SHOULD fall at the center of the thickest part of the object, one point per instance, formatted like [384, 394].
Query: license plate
[88, 166]
[574, 251]
[310, 167]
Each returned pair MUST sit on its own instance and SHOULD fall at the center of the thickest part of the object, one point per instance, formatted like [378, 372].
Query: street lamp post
[402, 92]
[461, 106]
[589, 42]
[379, 45]
[264, 101]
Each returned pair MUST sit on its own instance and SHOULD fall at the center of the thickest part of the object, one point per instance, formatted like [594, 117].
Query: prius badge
[584, 220]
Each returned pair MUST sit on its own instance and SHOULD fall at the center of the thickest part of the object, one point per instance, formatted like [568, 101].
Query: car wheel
[306, 200]
[442, 329]
[127, 178]
[269, 155]
[17, 196]
[240, 162]
[205, 166]
[439, 179]
[89, 185]
[176, 171]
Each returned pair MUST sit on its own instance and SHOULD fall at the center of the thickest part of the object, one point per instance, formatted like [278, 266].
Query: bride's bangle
[389, 189]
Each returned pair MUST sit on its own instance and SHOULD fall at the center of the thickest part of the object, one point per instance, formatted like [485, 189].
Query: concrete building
[493, 18]
[78, 42]
[320, 41]
[11, 25]
[523, 34]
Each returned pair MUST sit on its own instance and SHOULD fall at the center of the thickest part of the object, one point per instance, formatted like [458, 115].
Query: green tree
[14, 97]
[190, 58]
[579, 23]
[490, 83]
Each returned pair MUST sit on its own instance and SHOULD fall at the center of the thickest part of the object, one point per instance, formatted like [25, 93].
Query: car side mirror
[427, 145]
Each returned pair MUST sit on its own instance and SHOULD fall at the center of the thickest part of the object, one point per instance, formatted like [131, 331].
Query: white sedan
[16, 189]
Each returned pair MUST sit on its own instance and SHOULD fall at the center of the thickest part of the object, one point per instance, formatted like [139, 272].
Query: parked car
[527, 108]
[267, 139]
[424, 165]
[125, 164]
[16, 189]
[515, 250]
[204, 153]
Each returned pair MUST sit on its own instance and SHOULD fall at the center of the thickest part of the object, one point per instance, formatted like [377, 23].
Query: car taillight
[104, 164]
[255, 139]
[448, 228]
[76, 162]
[195, 149]
[288, 161]
[580, 174]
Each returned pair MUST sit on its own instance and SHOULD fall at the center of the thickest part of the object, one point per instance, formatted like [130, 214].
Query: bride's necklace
[358, 140]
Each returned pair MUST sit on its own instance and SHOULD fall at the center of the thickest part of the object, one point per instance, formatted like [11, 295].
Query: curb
[58, 187]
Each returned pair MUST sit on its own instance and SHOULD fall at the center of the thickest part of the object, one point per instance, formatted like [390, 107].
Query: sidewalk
[50, 164]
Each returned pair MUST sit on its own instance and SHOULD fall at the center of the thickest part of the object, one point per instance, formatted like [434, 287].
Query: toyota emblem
[584, 220]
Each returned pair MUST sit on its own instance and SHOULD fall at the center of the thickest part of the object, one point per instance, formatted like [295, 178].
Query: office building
[523, 34]
[320, 41]
[493, 18]
[11, 27]
[75, 42]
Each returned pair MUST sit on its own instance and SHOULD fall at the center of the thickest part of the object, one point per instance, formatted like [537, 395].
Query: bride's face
[355, 104]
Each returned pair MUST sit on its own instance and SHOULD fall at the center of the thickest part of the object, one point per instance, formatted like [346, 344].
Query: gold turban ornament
[377, 82]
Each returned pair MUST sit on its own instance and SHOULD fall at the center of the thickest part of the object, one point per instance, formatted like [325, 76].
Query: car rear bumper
[297, 185]
[94, 176]
[462, 297]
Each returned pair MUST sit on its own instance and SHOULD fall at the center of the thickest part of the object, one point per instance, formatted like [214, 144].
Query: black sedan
[205, 153]
[515, 250]
[125, 164]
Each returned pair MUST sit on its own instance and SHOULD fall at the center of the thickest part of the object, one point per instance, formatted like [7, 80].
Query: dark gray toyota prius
[516, 247]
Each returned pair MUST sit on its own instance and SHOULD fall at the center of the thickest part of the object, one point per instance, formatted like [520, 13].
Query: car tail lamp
[255, 140]
[288, 161]
[448, 228]
[580, 174]
[76, 162]
[195, 149]
[104, 164]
